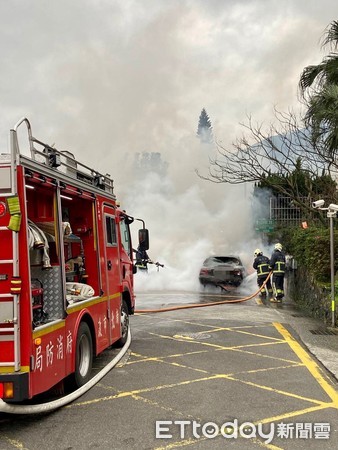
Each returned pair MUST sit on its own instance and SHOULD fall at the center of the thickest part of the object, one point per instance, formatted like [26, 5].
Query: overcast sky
[108, 78]
[133, 75]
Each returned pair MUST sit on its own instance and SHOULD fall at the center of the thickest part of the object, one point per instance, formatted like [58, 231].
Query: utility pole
[331, 213]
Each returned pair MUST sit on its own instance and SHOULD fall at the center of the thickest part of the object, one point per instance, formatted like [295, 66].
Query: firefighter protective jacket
[277, 262]
[261, 264]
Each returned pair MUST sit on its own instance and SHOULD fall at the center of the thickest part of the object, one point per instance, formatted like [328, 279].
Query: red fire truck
[66, 268]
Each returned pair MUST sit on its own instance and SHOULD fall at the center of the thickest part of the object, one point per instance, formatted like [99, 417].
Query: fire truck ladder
[10, 319]
[11, 331]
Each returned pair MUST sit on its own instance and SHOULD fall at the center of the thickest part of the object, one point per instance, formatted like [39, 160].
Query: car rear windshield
[222, 260]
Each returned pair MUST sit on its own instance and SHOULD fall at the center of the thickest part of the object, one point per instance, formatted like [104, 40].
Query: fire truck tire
[124, 315]
[83, 355]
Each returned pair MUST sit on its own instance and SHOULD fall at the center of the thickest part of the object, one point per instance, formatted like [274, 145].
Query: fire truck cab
[66, 268]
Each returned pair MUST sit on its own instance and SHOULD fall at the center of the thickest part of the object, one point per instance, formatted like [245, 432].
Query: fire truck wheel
[124, 325]
[83, 355]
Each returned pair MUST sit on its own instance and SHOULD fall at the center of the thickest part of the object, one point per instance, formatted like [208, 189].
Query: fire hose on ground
[58, 403]
[202, 305]
[55, 404]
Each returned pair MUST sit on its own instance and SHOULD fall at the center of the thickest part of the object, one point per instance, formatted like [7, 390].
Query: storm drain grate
[323, 332]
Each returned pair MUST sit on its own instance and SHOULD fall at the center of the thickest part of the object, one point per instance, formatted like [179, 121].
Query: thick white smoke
[189, 219]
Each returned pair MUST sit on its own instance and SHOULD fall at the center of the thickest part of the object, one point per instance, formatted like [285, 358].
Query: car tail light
[204, 271]
[6, 390]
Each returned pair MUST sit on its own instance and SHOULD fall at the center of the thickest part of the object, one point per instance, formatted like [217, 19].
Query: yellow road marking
[242, 327]
[240, 350]
[153, 403]
[14, 442]
[165, 360]
[277, 391]
[263, 444]
[216, 346]
[305, 360]
[197, 380]
[181, 443]
[143, 390]
[187, 442]
[176, 355]
[256, 335]
[228, 329]
[266, 369]
[196, 369]
[310, 364]
[292, 414]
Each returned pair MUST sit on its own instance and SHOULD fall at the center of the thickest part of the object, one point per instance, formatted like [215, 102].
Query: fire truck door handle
[109, 265]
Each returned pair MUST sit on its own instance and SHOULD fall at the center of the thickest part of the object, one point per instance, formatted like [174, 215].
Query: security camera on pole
[331, 213]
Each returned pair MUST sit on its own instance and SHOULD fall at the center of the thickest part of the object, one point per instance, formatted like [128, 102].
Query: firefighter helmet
[279, 247]
[258, 252]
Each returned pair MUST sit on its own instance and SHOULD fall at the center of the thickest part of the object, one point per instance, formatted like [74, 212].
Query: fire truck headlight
[6, 390]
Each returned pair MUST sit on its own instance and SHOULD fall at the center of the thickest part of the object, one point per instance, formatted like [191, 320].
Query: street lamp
[331, 213]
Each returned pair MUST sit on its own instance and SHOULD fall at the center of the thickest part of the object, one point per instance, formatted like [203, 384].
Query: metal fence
[283, 211]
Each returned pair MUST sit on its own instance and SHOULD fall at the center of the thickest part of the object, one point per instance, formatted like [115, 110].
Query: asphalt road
[230, 375]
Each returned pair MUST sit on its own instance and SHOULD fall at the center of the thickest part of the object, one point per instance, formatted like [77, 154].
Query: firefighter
[262, 265]
[142, 258]
[278, 265]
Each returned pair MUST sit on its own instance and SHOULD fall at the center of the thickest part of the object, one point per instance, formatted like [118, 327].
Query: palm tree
[327, 71]
[319, 87]
[322, 116]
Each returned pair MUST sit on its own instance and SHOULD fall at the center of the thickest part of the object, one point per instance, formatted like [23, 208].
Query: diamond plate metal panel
[52, 290]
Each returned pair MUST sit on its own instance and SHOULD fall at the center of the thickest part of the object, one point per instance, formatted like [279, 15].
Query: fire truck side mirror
[143, 238]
